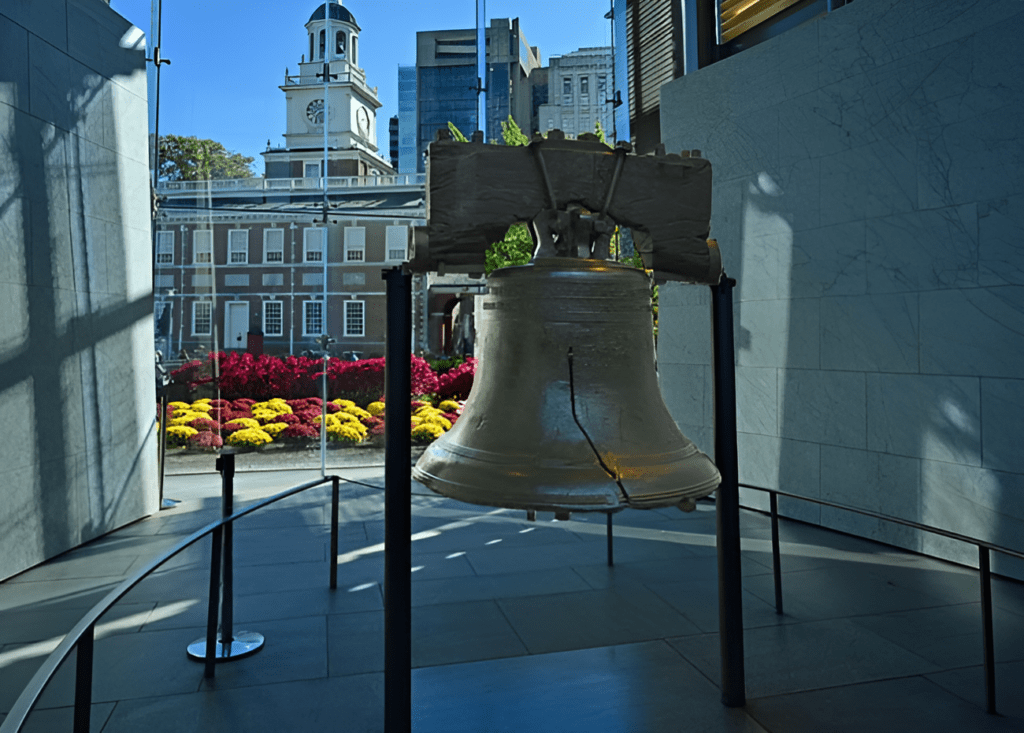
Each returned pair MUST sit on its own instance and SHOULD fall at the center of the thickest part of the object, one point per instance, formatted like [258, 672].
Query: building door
[236, 324]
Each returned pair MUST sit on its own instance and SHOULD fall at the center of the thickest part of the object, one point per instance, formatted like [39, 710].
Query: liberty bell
[566, 414]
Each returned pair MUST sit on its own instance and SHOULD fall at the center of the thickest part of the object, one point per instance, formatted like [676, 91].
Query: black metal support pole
[335, 491]
[730, 586]
[611, 548]
[83, 681]
[986, 620]
[161, 450]
[773, 498]
[210, 661]
[398, 507]
[226, 466]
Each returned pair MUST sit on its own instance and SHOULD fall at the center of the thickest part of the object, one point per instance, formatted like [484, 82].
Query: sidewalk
[517, 626]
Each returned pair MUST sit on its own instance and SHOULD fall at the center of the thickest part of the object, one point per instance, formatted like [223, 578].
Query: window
[238, 246]
[353, 278]
[567, 87]
[353, 58]
[313, 244]
[202, 318]
[202, 246]
[273, 245]
[311, 170]
[323, 47]
[273, 320]
[551, 124]
[165, 248]
[584, 86]
[339, 44]
[312, 318]
[355, 320]
[602, 88]
[310, 46]
[355, 244]
[397, 242]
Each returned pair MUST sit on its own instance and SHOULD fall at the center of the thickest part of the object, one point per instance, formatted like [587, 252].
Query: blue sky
[228, 58]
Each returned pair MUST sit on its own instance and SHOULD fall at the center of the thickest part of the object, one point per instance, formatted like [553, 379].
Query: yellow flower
[183, 417]
[358, 412]
[331, 420]
[245, 422]
[375, 408]
[416, 420]
[449, 406]
[347, 432]
[343, 403]
[427, 432]
[203, 400]
[178, 435]
[265, 415]
[249, 437]
[437, 420]
[179, 405]
[201, 407]
[272, 429]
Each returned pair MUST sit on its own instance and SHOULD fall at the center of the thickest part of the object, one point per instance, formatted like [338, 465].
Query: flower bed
[267, 400]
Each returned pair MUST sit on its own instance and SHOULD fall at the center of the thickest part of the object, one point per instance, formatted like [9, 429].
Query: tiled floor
[517, 625]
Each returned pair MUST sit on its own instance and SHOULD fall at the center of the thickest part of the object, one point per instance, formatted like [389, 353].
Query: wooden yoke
[573, 193]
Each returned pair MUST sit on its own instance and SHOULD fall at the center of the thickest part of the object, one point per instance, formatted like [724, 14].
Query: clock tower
[345, 103]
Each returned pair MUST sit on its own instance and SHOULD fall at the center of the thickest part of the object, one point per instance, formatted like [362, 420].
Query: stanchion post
[398, 506]
[730, 586]
[611, 549]
[987, 637]
[773, 499]
[335, 492]
[210, 655]
[83, 681]
[226, 466]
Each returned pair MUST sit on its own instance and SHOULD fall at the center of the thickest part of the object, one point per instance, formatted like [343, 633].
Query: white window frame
[306, 306]
[279, 307]
[202, 305]
[310, 247]
[351, 305]
[355, 244]
[165, 248]
[396, 237]
[238, 246]
[270, 247]
[202, 247]
[305, 168]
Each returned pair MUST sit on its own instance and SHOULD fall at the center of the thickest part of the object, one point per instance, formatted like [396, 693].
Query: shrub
[205, 425]
[457, 383]
[299, 432]
[242, 423]
[289, 419]
[346, 432]
[178, 435]
[375, 408]
[249, 438]
[205, 441]
[427, 432]
[274, 429]
[449, 406]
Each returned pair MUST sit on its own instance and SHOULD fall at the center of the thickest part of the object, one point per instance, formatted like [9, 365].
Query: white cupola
[334, 34]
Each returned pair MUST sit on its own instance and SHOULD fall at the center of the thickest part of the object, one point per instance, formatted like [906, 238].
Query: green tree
[193, 159]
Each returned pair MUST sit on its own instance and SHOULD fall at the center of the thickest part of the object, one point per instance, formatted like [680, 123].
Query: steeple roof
[338, 12]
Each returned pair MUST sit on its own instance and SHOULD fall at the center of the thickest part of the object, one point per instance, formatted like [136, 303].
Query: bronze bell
[566, 413]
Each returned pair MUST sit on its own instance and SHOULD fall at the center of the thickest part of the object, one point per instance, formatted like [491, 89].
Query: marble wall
[76, 336]
[869, 199]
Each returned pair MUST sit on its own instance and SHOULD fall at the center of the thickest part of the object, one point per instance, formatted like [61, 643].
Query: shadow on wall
[76, 381]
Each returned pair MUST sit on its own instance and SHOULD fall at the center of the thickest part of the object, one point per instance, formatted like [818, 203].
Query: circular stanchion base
[242, 644]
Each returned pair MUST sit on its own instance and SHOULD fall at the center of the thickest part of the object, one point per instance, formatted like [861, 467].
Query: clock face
[363, 121]
[315, 112]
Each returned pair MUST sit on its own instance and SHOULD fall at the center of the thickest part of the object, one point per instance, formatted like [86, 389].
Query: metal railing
[82, 636]
[290, 184]
[984, 569]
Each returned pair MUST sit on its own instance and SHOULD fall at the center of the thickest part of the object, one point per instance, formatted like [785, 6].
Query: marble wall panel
[925, 416]
[14, 299]
[130, 141]
[823, 407]
[49, 82]
[787, 465]
[778, 333]
[757, 400]
[46, 19]
[18, 407]
[923, 250]
[1002, 424]
[92, 106]
[684, 324]
[800, 190]
[20, 521]
[975, 159]
[13, 64]
[876, 333]
[976, 331]
[1000, 233]
[14, 234]
[727, 218]
[974, 501]
[829, 260]
[104, 40]
[688, 392]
